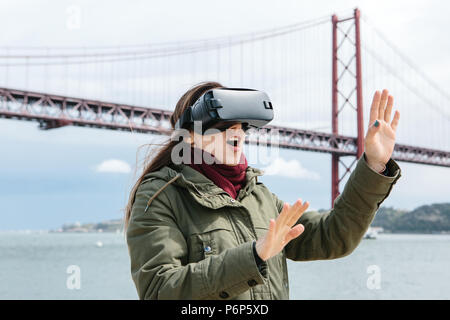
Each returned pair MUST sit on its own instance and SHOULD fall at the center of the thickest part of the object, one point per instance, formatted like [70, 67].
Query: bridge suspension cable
[150, 50]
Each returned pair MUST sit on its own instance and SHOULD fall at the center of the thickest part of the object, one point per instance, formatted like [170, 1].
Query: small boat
[370, 234]
[99, 244]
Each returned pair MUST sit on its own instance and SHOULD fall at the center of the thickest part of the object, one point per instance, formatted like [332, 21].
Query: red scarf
[229, 178]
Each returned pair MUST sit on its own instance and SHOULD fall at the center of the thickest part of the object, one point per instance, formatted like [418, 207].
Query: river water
[96, 266]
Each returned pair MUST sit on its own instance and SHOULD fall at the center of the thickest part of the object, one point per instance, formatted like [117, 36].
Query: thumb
[295, 232]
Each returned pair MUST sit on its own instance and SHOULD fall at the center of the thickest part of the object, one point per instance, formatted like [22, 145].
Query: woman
[213, 231]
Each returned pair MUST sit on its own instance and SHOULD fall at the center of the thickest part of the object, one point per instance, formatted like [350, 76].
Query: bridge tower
[352, 25]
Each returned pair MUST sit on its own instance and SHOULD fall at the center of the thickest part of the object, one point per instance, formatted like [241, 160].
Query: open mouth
[233, 141]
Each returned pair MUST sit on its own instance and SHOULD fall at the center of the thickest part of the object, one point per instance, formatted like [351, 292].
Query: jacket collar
[202, 189]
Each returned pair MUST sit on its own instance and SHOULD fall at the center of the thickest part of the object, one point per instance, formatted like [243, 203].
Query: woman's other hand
[281, 230]
[380, 138]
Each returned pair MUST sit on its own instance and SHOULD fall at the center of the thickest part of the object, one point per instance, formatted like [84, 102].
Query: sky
[66, 175]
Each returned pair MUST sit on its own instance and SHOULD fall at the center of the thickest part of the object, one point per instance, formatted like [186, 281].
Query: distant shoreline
[427, 219]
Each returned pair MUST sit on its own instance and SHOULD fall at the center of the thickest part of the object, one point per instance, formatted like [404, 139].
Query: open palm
[380, 140]
[282, 230]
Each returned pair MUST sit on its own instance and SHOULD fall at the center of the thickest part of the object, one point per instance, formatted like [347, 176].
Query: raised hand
[281, 230]
[380, 138]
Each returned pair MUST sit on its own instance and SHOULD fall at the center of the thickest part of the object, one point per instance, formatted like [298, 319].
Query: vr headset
[219, 106]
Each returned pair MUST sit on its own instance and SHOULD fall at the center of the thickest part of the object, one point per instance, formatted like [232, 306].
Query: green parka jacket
[195, 242]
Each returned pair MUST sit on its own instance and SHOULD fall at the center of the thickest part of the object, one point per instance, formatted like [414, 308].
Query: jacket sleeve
[338, 232]
[158, 252]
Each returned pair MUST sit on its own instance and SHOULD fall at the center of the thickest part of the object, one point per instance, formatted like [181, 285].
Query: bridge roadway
[53, 111]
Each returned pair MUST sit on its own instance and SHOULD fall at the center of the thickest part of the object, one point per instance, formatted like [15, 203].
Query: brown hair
[163, 157]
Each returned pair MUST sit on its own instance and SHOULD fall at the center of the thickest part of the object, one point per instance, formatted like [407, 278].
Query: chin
[233, 159]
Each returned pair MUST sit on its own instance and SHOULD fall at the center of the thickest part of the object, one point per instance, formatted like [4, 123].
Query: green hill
[433, 218]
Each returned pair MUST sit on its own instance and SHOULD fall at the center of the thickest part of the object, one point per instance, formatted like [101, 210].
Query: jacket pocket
[210, 239]
[261, 228]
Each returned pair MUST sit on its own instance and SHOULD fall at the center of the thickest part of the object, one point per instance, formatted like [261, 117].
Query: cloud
[114, 166]
[290, 169]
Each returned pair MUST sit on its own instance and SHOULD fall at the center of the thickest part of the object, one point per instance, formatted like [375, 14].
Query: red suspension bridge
[317, 73]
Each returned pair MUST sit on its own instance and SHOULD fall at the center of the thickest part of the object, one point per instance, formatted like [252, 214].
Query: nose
[235, 132]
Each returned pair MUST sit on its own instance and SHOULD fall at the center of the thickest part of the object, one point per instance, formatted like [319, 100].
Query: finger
[394, 123]
[374, 107]
[387, 113]
[283, 216]
[301, 209]
[293, 212]
[382, 106]
[270, 234]
[269, 240]
[294, 233]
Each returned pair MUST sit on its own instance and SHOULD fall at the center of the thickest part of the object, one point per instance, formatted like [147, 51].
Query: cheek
[214, 143]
